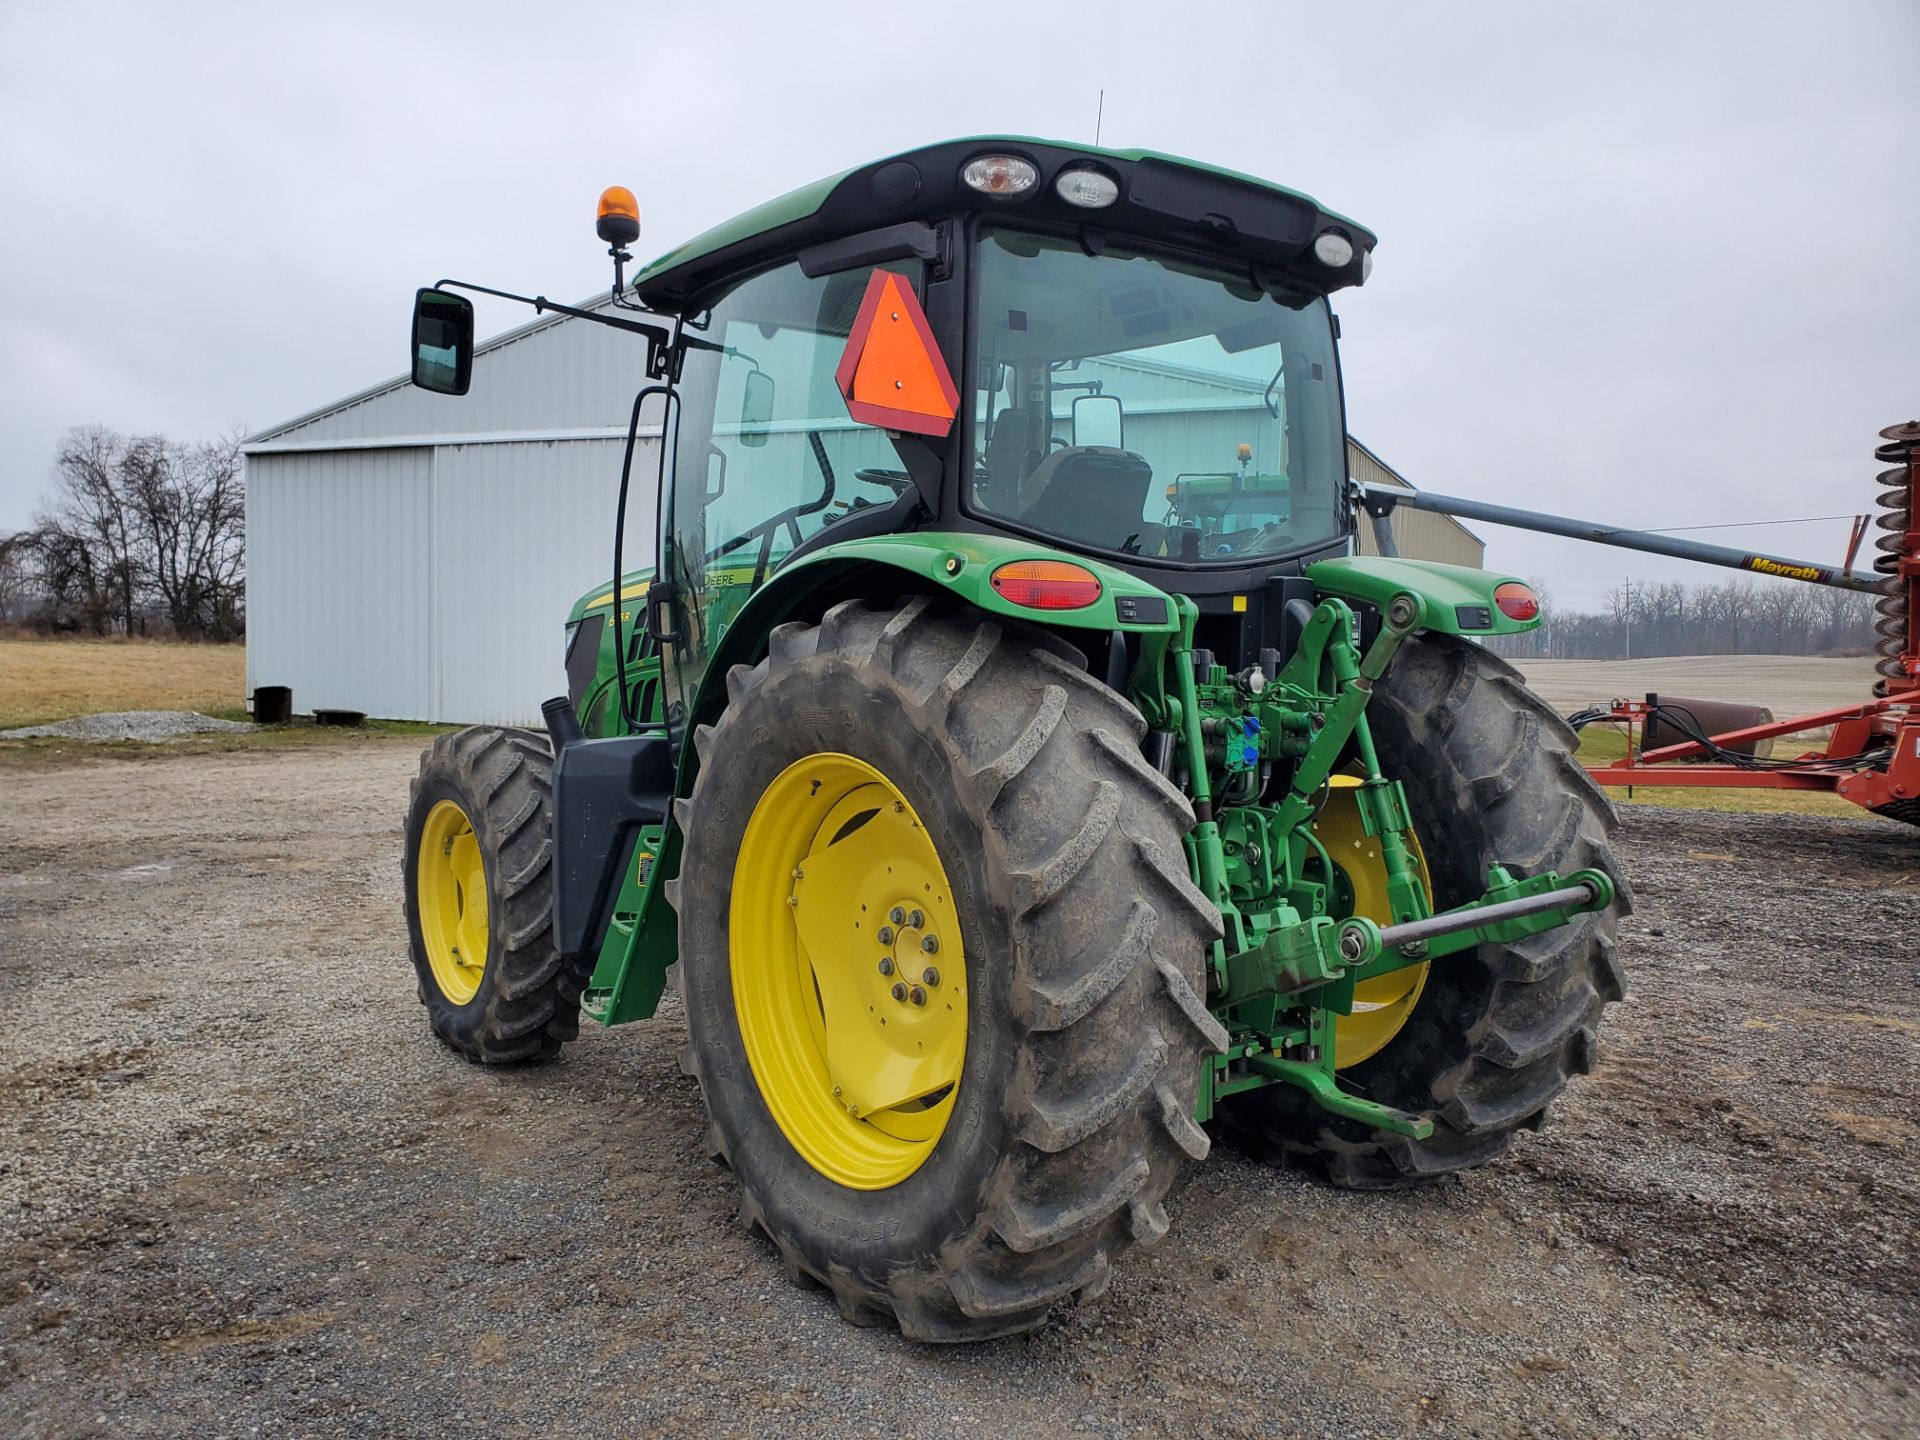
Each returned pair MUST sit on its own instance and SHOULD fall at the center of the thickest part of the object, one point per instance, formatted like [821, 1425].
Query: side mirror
[442, 342]
[1098, 420]
[756, 408]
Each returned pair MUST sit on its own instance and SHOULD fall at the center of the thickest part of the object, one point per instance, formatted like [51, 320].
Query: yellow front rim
[450, 892]
[849, 975]
[1381, 1005]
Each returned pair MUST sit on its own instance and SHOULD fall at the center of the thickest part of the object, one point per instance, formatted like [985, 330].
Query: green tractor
[1025, 777]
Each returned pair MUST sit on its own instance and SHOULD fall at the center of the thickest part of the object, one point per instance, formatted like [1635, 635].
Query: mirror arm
[659, 337]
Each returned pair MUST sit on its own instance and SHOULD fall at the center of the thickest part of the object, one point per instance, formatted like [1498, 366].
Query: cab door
[767, 454]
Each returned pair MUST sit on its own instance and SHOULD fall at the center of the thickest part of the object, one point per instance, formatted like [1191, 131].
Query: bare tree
[142, 528]
[189, 512]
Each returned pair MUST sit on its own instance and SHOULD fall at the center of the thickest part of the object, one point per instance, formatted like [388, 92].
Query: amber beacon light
[618, 222]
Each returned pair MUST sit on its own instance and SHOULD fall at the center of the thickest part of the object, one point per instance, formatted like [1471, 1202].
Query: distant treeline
[140, 535]
[1734, 617]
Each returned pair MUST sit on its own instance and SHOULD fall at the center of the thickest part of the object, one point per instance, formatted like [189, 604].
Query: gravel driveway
[242, 1191]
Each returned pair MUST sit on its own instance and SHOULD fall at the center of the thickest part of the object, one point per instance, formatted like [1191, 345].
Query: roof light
[618, 222]
[1366, 265]
[1333, 250]
[1086, 187]
[1001, 176]
[1046, 584]
[1516, 601]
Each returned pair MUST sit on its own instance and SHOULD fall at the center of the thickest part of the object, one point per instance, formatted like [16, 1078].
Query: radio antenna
[1099, 115]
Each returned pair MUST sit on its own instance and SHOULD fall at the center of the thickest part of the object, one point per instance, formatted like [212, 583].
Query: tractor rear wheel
[1493, 1034]
[477, 874]
[940, 958]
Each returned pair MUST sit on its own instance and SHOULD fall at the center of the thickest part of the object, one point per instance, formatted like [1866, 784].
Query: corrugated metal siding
[568, 375]
[338, 576]
[430, 583]
[518, 532]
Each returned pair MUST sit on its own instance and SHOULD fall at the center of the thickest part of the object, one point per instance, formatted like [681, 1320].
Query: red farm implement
[1871, 753]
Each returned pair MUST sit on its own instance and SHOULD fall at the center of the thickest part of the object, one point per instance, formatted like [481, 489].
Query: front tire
[1084, 945]
[477, 876]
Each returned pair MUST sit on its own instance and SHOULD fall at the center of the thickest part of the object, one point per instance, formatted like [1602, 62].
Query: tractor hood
[600, 598]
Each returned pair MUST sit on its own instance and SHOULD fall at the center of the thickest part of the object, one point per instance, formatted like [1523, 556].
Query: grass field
[46, 680]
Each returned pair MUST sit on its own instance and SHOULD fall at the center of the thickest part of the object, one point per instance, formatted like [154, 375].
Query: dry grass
[46, 680]
[1602, 743]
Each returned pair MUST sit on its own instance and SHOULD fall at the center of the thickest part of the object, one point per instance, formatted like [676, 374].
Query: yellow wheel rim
[1380, 1005]
[849, 975]
[450, 892]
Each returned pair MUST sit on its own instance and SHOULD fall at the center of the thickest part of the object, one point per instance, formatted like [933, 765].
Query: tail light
[1516, 601]
[1046, 584]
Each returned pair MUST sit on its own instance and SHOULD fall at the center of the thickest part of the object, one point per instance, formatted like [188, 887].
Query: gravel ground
[242, 1191]
[129, 725]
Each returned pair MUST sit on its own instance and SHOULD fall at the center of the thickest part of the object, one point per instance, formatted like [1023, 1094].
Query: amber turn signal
[618, 221]
[1046, 584]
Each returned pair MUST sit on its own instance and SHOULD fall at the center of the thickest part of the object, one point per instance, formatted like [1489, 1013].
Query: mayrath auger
[1009, 748]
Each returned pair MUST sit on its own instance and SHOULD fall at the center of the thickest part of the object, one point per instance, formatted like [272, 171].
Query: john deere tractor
[1008, 759]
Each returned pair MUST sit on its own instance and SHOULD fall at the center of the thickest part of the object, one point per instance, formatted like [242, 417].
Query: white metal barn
[413, 556]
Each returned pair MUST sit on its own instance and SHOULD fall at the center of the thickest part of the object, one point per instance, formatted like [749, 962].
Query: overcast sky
[1647, 263]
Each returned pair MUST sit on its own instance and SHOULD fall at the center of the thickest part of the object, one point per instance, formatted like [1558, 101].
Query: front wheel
[940, 958]
[477, 875]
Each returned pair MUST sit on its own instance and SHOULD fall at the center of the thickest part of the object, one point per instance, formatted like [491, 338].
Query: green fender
[961, 565]
[1453, 599]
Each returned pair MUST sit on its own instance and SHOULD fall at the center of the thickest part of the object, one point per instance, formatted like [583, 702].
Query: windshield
[1149, 407]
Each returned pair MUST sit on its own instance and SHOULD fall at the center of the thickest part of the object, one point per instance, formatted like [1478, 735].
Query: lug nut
[897, 915]
[917, 995]
[899, 991]
[916, 920]
[930, 944]
[886, 965]
[885, 935]
[931, 975]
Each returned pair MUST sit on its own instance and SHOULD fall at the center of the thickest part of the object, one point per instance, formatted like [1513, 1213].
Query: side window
[781, 459]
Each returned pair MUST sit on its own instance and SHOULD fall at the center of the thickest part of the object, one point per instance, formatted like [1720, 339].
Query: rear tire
[1499, 1030]
[526, 1002]
[1084, 940]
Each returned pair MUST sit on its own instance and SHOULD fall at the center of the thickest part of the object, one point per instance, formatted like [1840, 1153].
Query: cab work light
[1046, 584]
[1516, 601]
[1002, 176]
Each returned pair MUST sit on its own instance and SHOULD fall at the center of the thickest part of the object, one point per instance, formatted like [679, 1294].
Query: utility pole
[1629, 617]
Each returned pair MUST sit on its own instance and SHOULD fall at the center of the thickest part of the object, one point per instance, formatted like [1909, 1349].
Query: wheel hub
[849, 974]
[450, 879]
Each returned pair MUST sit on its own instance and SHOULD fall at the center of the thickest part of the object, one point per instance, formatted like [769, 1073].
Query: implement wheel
[940, 954]
[477, 872]
[1481, 1041]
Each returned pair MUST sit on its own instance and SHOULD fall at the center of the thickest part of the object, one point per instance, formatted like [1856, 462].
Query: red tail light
[1046, 584]
[1516, 601]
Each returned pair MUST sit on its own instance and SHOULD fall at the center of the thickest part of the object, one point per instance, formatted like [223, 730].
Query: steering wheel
[894, 480]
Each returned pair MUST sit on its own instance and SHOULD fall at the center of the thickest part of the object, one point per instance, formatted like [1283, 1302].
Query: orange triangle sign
[892, 373]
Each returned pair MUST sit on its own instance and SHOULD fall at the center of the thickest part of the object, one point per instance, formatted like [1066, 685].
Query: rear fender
[1453, 599]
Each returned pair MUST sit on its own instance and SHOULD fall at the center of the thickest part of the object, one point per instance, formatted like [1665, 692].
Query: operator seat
[1093, 493]
[1011, 453]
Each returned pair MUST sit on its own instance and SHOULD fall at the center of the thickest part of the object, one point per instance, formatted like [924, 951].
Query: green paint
[1440, 590]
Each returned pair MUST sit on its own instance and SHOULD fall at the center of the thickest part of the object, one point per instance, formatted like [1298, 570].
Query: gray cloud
[1644, 262]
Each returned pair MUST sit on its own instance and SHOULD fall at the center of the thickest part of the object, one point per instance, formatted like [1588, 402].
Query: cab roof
[1162, 197]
